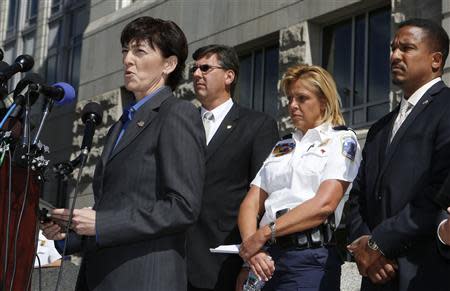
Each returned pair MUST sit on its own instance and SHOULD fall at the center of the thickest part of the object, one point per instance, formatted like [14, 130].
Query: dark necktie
[124, 119]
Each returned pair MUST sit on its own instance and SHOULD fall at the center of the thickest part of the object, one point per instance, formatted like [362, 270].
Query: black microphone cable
[69, 221]
[8, 221]
[36, 241]
[39, 273]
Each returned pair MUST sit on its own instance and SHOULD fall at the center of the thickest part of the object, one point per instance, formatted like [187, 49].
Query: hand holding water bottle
[261, 270]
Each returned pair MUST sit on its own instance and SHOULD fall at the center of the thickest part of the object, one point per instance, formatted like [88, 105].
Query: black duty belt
[316, 237]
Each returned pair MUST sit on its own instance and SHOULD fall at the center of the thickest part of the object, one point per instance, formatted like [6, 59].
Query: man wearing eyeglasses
[238, 141]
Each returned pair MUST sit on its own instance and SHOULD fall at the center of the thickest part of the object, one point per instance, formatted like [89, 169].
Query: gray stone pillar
[295, 48]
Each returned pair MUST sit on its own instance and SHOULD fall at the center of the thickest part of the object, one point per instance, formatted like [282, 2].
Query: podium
[26, 229]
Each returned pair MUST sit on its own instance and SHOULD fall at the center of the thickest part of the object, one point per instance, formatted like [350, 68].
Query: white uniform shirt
[46, 251]
[297, 166]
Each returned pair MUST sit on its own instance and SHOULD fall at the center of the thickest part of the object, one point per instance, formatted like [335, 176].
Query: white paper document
[226, 249]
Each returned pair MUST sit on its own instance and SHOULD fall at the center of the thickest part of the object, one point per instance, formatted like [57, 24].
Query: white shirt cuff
[439, 237]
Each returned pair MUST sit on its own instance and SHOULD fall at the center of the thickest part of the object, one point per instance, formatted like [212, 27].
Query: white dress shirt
[406, 106]
[219, 114]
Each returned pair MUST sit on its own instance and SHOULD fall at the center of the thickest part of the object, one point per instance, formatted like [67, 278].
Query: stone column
[295, 48]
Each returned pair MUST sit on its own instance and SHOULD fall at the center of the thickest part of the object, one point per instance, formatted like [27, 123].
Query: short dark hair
[166, 35]
[438, 37]
[226, 56]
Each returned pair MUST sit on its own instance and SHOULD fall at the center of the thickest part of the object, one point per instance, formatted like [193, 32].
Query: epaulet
[343, 127]
[287, 136]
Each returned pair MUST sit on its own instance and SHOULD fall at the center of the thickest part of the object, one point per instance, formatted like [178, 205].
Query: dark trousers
[316, 269]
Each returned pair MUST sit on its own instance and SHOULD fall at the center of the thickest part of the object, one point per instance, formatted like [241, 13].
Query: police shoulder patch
[349, 147]
[283, 147]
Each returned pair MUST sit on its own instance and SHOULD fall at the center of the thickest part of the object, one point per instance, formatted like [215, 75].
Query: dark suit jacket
[147, 192]
[392, 195]
[234, 156]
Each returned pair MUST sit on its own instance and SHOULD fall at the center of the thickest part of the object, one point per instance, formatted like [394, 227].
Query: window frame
[251, 48]
[366, 104]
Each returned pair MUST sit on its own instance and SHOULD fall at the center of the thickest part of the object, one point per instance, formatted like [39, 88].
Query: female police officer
[299, 188]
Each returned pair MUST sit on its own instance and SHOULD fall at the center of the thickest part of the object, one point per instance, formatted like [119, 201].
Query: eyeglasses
[204, 68]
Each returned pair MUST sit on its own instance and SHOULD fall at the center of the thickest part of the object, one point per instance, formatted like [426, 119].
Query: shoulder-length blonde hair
[320, 79]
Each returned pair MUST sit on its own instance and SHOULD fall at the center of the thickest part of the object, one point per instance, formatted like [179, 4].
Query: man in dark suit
[149, 180]
[406, 158]
[238, 141]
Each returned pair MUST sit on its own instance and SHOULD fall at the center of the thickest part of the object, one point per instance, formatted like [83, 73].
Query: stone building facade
[268, 35]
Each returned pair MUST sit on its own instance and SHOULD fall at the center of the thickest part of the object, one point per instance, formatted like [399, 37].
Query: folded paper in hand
[226, 249]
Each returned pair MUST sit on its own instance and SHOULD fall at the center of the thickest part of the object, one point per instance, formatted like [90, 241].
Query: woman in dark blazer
[149, 180]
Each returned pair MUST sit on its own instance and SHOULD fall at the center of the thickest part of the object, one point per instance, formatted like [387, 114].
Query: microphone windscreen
[92, 108]
[26, 62]
[31, 78]
[69, 93]
[3, 66]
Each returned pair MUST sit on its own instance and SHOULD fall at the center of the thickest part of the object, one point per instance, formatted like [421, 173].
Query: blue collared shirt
[132, 110]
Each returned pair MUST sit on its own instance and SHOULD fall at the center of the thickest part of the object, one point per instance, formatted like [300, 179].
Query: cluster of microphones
[21, 148]
[27, 91]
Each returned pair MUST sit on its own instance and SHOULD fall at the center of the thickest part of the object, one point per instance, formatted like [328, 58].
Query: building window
[258, 78]
[12, 16]
[356, 52]
[64, 43]
[54, 37]
[32, 11]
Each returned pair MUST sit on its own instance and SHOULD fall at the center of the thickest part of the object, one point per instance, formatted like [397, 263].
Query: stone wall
[113, 103]
[294, 49]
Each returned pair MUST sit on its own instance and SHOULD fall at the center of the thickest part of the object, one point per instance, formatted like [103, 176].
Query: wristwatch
[373, 245]
[273, 232]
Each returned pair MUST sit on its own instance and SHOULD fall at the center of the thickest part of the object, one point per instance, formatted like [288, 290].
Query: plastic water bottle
[253, 283]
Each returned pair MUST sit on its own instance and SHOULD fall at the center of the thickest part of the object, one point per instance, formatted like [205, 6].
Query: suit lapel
[226, 127]
[386, 135]
[141, 120]
[423, 102]
[114, 133]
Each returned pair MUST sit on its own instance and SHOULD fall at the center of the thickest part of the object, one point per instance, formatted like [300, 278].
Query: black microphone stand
[62, 171]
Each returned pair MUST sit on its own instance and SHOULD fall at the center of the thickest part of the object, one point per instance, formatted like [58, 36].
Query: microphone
[3, 86]
[23, 63]
[3, 66]
[91, 116]
[61, 92]
[19, 99]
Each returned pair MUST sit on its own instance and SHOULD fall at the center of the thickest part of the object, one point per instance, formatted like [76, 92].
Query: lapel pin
[425, 102]
[229, 126]
[140, 123]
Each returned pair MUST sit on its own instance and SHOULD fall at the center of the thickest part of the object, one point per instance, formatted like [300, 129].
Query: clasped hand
[259, 261]
[372, 263]
[83, 223]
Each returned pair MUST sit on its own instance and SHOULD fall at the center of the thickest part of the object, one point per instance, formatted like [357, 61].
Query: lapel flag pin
[229, 126]
[425, 102]
[140, 123]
